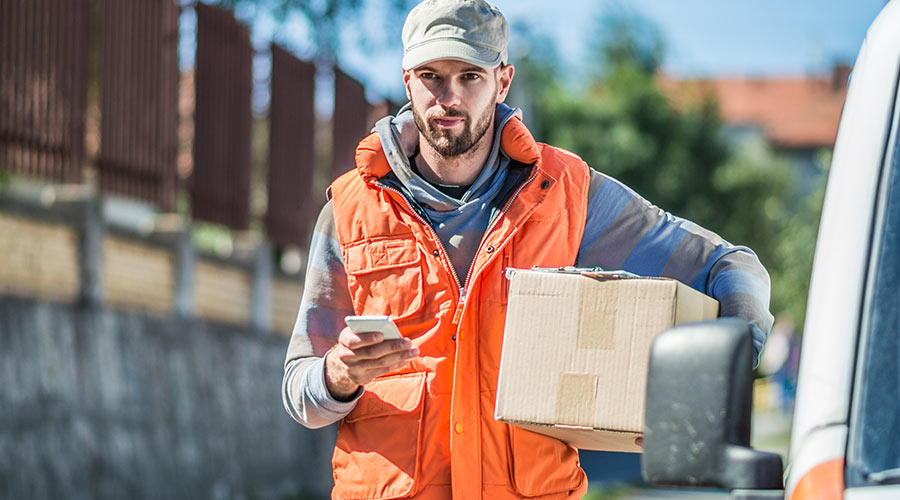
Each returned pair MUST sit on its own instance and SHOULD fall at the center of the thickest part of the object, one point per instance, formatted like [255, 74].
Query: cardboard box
[576, 349]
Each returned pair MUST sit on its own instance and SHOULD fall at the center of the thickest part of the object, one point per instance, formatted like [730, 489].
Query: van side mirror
[697, 424]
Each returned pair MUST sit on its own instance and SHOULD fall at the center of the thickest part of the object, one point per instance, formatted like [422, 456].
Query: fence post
[260, 302]
[185, 264]
[90, 251]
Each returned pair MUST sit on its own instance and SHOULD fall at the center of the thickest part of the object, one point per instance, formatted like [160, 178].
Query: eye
[471, 76]
[427, 75]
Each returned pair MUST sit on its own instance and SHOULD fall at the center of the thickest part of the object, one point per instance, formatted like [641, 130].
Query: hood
[396, 142]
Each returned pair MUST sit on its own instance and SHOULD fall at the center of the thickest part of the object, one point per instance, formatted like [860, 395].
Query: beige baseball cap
[466, 30]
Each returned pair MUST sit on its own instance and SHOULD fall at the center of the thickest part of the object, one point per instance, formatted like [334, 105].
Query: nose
[448, 94]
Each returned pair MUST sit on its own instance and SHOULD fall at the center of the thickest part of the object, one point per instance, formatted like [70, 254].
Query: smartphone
[383, 324]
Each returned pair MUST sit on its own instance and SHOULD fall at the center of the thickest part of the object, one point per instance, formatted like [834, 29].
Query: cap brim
[436, 50]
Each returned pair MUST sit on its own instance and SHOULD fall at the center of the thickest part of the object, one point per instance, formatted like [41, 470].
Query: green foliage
[622, 124]
[626, 39]
[212, 238]
[754, 186]
[793, 250]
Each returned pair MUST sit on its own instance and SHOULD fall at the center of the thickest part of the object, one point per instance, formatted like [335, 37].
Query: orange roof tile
[793, 112]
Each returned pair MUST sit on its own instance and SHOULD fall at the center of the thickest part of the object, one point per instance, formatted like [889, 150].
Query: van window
[875, 430]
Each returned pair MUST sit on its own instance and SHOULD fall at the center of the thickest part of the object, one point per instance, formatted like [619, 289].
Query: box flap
[588, 439]
[693, 305]
[594, 272]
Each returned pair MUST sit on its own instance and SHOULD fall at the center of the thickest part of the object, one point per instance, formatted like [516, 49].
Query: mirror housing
[699, 400]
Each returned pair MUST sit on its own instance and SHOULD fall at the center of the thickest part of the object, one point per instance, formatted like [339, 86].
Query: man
[445, 196]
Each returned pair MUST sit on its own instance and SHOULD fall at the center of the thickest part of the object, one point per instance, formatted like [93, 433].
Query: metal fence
[291, 149]
[350, 122]
[138, 104]
[43, 86]
[45, 65]
[220, 186]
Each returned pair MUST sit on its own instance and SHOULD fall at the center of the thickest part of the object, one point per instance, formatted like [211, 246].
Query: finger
[381, 362]
[370, 369]
[356, 340]
[382, 349]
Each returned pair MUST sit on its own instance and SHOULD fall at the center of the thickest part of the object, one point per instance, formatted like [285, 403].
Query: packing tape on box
[597, 323]
[575, 397]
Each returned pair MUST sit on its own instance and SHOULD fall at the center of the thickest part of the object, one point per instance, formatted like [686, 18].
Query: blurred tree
[627, 39]
[324, 17]
[622, 124]
[535, 58]
[794, 248]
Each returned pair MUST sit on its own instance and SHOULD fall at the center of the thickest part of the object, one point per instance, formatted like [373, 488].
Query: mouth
[445, 122]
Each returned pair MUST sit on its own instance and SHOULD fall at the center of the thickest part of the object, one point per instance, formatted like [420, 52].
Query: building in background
[796, 115]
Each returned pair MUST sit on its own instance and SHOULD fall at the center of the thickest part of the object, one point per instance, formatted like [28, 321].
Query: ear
[407, 76]
[504, 80]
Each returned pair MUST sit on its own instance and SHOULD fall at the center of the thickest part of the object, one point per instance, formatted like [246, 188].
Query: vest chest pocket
[385, 276]
[377, 451]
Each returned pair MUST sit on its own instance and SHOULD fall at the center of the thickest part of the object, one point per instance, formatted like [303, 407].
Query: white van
[845, 437]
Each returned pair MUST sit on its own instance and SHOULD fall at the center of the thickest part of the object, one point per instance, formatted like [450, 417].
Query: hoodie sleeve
[624, 231]
[325, 302]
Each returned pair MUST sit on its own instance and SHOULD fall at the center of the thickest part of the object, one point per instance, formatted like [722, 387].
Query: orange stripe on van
[823, 482]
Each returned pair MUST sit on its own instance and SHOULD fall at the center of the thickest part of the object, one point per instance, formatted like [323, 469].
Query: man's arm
[327, 364]
[326, 300]
[625, 231]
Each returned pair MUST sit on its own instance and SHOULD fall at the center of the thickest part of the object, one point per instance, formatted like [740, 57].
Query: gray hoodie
[459, 223]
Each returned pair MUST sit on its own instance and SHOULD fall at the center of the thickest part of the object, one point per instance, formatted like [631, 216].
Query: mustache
[448, 113]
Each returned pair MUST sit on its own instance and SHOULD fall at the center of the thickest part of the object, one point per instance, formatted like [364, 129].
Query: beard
[443, 141]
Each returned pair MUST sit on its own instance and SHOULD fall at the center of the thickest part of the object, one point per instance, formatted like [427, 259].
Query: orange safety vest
[428, 430]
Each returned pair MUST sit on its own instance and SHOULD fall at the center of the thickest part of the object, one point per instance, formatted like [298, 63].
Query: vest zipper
[460, 289]
[493, 225]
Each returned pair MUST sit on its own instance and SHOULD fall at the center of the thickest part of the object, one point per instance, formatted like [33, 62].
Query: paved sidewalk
[656, 494]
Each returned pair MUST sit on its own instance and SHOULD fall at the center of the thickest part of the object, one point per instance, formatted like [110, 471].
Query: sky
[707, 37]
[703, 37]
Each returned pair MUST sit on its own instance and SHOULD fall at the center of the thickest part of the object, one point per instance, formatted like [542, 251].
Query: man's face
[454, 102]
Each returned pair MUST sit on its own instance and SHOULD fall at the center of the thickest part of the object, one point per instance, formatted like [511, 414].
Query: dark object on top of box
[576, 348]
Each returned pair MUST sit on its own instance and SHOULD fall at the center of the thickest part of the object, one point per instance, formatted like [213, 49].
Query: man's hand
[357, 358]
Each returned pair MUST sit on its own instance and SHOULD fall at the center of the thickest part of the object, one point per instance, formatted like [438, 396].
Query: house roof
[793, 112]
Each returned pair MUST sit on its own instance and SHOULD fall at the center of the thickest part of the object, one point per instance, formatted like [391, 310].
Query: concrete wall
[103, 404]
